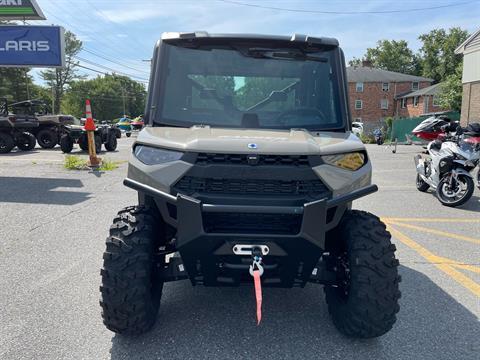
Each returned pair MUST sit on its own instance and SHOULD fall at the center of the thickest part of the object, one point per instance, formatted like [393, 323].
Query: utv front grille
[243, 159]
[239, 223]
[190, 185]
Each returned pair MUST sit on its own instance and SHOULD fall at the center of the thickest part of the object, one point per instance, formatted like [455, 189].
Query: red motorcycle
[433, 127]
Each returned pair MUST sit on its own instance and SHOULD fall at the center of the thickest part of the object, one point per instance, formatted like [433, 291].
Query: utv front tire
[26, 141]
[66, 144]
[131, 275]
[366, 304]
[47, 138]
[7, 143]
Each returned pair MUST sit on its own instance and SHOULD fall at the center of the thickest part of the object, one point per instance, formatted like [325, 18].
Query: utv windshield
[249, 87]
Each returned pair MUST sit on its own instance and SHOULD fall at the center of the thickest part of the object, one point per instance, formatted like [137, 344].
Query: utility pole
[26, 83]
[53, 98]
[123, 97]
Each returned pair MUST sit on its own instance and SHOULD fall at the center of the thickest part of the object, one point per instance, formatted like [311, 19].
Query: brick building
[416, 103]
[374, 93]
[470, 49]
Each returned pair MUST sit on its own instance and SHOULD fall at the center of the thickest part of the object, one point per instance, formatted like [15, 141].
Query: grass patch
[108, 165]
[74, 162]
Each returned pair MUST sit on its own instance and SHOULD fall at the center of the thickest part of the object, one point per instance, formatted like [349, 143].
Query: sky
[120, 34]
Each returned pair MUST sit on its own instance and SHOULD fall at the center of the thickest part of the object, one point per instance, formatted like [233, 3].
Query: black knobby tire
[66, 143]
[131, 275]
[454, 203]
[26, 141]
[111, 144]
[7, 143]
[83, 143]
[47, 138]
[98, 143]
[421, 184]
[365, 306]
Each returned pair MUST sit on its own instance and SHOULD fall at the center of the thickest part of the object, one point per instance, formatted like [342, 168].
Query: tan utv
[248, 166]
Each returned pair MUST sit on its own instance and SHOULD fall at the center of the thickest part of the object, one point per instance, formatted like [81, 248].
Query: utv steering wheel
[301, 112]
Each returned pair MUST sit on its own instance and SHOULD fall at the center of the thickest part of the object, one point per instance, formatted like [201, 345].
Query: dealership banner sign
[20, 10]
[32, 46]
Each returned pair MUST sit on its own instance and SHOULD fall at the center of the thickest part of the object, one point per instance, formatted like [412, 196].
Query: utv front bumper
[206, 247]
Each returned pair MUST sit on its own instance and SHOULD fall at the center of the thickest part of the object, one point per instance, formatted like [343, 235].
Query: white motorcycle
[448, 169]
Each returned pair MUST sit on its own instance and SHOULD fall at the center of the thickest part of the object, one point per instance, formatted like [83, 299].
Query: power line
[108, 68]
[239, 3]
[76, 30]
[115, 62]
[101, 72]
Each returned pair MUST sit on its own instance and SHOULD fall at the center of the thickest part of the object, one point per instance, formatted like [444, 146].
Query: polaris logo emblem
[252, 146]
[253, 159]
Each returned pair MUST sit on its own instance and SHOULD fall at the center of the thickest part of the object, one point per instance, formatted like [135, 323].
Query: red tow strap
[258, 294]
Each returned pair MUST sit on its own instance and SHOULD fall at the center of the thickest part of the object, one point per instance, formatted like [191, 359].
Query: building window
[385, 86]
[436, 101]
[384, 104]
[415, 85]
[359, 87]
[404, 103]
[358, 120]
[358, 104]
[415, 101]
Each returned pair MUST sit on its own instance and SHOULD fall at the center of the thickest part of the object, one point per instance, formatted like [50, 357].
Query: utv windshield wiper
[283, 54]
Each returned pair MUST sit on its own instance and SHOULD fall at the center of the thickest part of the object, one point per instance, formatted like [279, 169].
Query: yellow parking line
[437, 232]
[437, 261]
[472, 268]
[434, 220]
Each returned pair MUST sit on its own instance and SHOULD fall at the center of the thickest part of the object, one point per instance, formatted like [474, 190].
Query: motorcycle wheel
[421, 184]
[459, 194]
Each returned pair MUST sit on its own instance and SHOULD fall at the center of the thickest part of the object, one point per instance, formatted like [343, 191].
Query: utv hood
[237, 141]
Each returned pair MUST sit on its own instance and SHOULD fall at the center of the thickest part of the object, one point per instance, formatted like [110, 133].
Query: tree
[107, 94]
[439, 60]
[450, 96]
[393, 55]
[15, 83]
[355, 62]
[59, 79]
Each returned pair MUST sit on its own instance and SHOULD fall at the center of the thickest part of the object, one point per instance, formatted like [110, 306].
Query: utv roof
[295, 38]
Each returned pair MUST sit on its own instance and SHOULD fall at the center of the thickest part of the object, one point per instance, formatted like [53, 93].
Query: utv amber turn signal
[350, 161]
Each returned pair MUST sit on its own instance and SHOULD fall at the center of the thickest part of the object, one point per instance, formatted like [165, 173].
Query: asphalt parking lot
[53, 223]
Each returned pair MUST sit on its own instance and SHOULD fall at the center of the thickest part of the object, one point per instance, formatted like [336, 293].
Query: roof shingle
[368, 74]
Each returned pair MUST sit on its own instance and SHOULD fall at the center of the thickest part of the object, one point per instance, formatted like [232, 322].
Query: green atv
[76, 134]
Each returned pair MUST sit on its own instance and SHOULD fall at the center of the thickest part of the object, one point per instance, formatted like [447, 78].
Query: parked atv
[50, 126]
[248, 186]
[76, 134]
[15, 131]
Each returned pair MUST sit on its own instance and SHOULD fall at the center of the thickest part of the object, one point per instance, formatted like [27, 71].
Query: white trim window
[415, 85]
[359, 87]
[404, 103]
[436, 101]
[358, 104]
[384, 104]
[415, 101]
[385, 86]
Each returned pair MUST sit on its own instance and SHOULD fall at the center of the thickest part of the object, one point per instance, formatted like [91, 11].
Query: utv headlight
[350, 161]
[154, 156]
